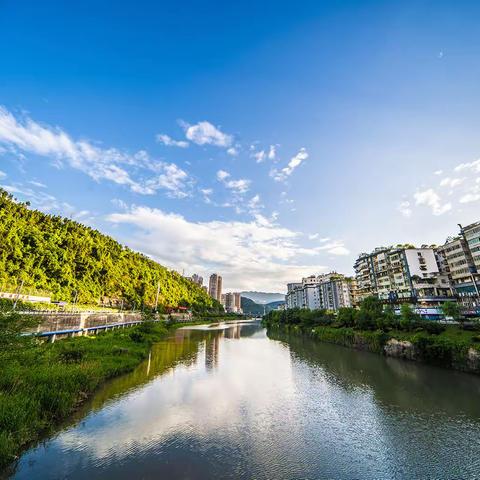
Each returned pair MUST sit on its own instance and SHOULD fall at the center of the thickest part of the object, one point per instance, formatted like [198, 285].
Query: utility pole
[17, 296]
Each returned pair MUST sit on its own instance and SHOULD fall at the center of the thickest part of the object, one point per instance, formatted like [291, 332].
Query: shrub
[433, 327]
[71, 353]
[346, 317]
[137, 337]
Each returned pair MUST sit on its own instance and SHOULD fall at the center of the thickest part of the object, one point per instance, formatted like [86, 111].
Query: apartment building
[335, 291]
[232, 302]
[294, 296]
[330, 291]
[459, 258]
[402, 274]
[215, 287]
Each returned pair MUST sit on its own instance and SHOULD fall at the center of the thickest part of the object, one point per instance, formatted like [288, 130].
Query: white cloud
[241, 185]
[333, 247]
[438, 172]
[204, 133]
[263, 155]
[119, 203]
[260, 156]
[470, 197]
[37, 184]
[473, 166]
[206, 191]
[232, 151]
[340, 250]
[173, 179]
[431, 199]
[2, 174]
[254, 206]
[451, 182]
[170, 142]
[257, 254]
[222, 175]
[313, 236]
[272, 153]
[405, 209]
[99, 163]
[284, 173]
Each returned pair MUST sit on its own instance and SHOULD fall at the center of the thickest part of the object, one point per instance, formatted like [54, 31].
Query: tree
[347, 316]
[452, 309]
[408, 317]
[371, 310]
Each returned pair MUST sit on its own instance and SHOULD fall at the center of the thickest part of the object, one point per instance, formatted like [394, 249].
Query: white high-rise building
[232, 302]
[330, 291]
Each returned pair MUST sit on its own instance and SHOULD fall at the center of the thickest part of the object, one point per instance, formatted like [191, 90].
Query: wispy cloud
[241, 185]
[451, 182]
[262, 155]
[432, 199]
[99, 163]
[47, 203]
[405, 208]
[170, 142]
[295, 162]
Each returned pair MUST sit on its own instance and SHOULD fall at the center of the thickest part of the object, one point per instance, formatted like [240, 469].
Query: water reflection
[232, 403]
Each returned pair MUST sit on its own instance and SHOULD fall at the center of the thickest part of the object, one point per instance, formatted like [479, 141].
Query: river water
[234, 403]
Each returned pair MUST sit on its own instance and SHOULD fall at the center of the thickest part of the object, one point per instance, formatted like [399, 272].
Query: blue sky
[262, 140]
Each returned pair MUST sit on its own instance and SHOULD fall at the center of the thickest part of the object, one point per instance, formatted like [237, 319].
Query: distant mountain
[252, 308]
[264, 297]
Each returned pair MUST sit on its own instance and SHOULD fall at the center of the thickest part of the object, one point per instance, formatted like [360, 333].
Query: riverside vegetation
[43, 383]
[380, 330]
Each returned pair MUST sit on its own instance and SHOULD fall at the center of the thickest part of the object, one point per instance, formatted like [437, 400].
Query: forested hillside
[70, 260]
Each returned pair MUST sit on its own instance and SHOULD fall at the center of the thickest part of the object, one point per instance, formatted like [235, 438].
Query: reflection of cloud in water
[187, 401]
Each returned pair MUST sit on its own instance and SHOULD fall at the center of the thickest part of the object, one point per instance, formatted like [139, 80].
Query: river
[234, 403]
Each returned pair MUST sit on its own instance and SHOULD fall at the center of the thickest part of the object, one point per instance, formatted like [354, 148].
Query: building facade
[402, 274]
[460, 259]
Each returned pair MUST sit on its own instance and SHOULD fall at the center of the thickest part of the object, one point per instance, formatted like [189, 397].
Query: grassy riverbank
[42, 383]
[371, 329]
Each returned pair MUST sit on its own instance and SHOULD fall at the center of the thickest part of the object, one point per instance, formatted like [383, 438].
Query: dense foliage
[370, 316]
[74, 262]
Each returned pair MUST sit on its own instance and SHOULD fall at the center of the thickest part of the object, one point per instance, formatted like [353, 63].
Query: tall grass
[42, 383]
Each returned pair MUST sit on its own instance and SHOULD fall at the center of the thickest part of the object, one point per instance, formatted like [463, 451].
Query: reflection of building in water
[233, 332]
[212, 350]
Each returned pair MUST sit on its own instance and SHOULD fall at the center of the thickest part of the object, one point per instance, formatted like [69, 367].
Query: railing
[72, 332]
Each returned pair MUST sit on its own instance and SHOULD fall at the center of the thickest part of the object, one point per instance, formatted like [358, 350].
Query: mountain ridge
[263, 298]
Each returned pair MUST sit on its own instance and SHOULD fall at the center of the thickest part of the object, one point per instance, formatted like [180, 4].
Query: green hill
[252, 308]
[70, 260]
